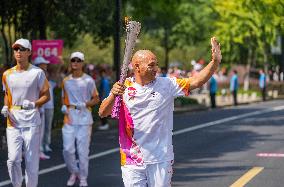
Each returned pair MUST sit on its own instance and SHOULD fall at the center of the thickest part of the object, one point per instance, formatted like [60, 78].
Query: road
[235, 146]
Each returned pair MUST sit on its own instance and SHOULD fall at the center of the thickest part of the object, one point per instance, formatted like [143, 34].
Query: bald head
[143, 56]
[145, 66]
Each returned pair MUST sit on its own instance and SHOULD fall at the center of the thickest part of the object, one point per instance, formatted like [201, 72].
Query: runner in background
[42, 64]
[79, 94]
[26, 90]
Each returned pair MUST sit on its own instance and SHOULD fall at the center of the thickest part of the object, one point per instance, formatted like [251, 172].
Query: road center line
[247, 177]
[189, 129]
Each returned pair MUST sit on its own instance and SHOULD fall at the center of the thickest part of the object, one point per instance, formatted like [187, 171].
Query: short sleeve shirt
[74, 91]
[20, 86]
[146, 120]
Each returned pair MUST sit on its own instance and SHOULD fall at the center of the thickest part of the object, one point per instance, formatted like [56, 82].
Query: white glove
[64, 109]
[80, 106]
[28, 105]
[4, 111]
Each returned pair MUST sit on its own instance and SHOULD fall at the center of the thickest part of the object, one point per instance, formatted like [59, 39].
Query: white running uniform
[23, 126]
[150, 175]
[77, 123]
[146, 122]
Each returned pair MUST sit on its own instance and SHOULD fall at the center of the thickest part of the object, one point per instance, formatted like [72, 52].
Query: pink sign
[51, 50]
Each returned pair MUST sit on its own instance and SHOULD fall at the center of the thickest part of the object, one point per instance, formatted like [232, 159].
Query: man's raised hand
[215, 49]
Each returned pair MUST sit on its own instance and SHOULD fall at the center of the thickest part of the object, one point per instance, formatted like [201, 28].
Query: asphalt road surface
[236, 146]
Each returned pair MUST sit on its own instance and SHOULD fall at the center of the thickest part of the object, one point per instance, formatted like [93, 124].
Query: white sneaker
[103, 127]
[47, 148]
[72, 179]
[43, 156]
[83, 183]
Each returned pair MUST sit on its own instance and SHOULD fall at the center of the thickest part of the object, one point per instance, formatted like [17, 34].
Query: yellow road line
[247, 177]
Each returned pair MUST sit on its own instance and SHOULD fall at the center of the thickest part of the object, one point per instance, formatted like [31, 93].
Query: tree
[51, 19]
[158, 18]
[247, 28]
[247, 25]
[177, 23]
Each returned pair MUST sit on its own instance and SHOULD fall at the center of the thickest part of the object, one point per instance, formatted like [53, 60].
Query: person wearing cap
[26, 90]
[79, 94]
[42, 64]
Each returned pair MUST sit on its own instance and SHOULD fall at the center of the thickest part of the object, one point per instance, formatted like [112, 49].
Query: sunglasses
[20, 49]
[76, 60]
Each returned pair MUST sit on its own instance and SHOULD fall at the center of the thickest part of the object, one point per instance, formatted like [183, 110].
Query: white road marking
[189, 129]
[270, 155]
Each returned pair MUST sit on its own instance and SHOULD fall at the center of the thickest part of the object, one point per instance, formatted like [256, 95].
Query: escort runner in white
[26, 89]
[79, 94]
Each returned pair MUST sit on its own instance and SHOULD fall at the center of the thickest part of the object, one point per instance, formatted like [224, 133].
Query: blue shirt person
[234, 85]
[262, 84]
[213, 85]
[104, 87]
[104, 91]
[213, 89]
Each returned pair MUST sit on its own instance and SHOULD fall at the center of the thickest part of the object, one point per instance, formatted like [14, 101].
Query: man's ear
[136, 67]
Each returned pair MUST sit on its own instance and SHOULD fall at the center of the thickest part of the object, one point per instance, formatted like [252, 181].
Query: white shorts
[150, 175]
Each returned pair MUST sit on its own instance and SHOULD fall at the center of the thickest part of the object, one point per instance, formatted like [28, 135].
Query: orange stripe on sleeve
[65, 102]
[8, 93]
[184, 84]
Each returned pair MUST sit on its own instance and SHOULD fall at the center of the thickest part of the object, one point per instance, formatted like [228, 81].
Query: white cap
[40, 60]
[24, 43]
[77, 55]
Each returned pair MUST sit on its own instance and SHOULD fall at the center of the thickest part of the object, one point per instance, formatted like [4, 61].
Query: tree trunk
[282, 53]
[116, 39]
[42, 22]
[265, 59]
[10, 41]
[6, 47]
[248, 66]
[16, 26]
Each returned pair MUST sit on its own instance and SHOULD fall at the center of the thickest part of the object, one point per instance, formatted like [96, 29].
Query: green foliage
[93, 53]
[178, 29]
[50, 19]
[247, 27]
[177, 24]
